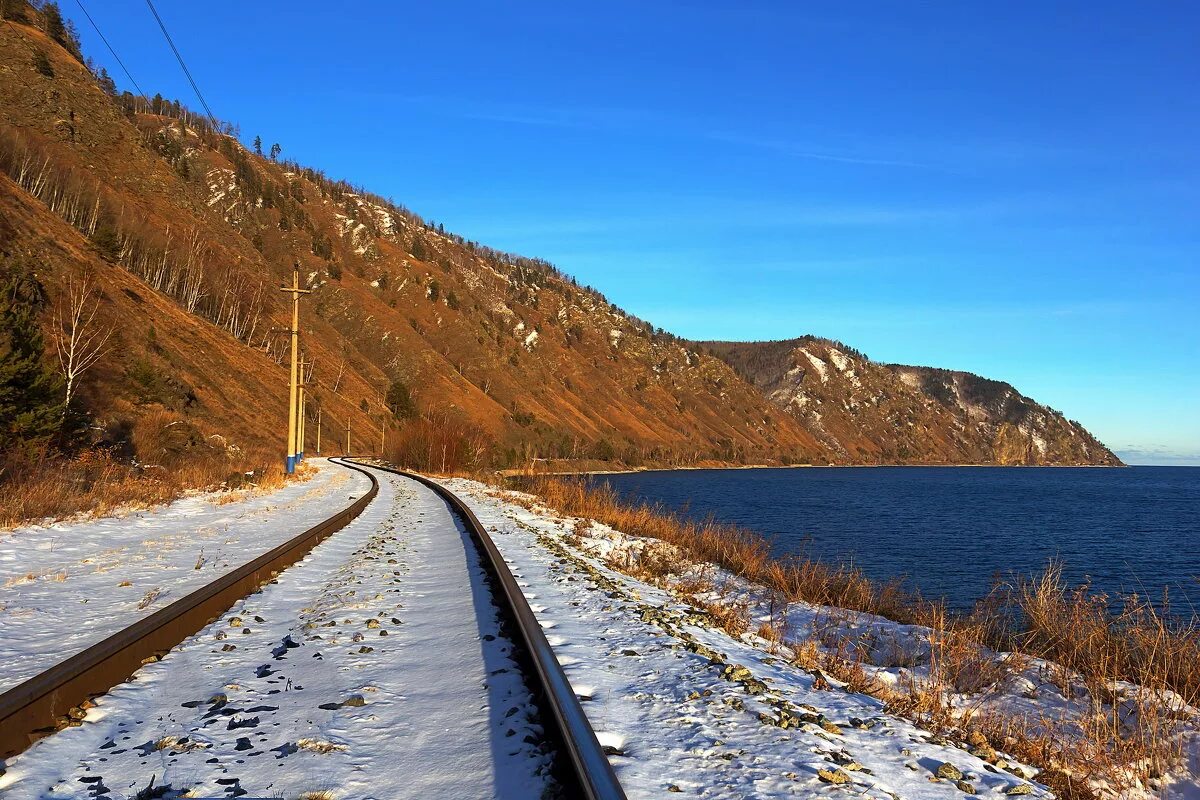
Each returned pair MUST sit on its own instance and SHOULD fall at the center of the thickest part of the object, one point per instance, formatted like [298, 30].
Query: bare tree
[341, 371]
[78, 339]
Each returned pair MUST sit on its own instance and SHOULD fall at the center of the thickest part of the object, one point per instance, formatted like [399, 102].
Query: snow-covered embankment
[688, 707]
[66, 586]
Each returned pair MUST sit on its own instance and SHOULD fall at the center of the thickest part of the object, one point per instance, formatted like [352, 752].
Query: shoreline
[635, 470]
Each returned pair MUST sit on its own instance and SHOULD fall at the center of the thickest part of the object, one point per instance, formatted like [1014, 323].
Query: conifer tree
[399, 401]
[258, 145]
[31, 392]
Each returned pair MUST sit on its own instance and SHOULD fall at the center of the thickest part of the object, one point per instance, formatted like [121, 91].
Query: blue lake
[952, 530]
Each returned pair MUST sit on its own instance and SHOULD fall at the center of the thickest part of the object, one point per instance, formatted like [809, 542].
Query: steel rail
[590, 766]
[38, 706]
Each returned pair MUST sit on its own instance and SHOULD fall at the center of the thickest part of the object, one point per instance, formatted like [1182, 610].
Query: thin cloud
[800, 151]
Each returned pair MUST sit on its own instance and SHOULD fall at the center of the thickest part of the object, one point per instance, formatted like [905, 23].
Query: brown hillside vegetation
[865, 412]
[186, 235]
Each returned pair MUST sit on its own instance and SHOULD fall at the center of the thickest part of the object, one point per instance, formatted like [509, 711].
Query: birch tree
[79, 340]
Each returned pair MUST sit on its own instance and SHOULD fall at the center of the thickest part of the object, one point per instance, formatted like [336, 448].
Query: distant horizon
[1013, 197]
[1132, 459]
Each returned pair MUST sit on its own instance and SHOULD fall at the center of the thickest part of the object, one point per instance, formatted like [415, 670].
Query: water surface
[951, 530]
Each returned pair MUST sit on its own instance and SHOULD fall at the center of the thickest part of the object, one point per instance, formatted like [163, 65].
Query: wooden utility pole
[347, 434]
[318, 430]
[301, 386]
[382, 436]
[293, 443]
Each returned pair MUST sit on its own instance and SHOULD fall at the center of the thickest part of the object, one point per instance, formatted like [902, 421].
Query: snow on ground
[373, 668]
[685, 707]
[66, 586]
[820, 366]
[845, 366]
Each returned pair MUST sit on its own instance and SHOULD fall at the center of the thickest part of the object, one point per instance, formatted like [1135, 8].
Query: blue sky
[1011, 189]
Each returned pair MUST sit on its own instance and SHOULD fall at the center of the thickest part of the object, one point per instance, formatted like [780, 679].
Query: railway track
[590, 775]
[53, 699]
[44, 704]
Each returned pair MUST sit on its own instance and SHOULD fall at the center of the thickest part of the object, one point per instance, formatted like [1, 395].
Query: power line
[211, 117]
[111, 50]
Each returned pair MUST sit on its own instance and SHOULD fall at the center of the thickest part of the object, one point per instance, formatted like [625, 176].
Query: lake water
[950, 530]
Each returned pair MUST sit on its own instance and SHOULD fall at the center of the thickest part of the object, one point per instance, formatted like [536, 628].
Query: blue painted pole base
[291, 464]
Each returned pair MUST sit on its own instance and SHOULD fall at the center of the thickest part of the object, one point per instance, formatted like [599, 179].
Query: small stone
[829, 726]
[674, 788]
[355, 700]
[984, 752]
[949, 772]
[1020, 788]
[965, 787]
[219, 697]
[372, 623]
[835, 776]
[236, 622]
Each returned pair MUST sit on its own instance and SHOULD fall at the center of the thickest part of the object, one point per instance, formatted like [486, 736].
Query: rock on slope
[866, 412]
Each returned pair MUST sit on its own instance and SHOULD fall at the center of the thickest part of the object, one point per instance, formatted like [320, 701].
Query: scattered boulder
[834, 776]
[949, 772]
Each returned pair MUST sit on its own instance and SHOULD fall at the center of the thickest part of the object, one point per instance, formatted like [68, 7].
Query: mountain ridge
[960, 417]
[186, 233]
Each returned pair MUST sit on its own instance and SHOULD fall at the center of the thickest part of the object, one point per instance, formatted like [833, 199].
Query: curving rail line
[42, 704]
[590, 770]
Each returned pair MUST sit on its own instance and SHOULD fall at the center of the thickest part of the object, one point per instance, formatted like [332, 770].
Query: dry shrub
[439, 442]
[1074, 627]
[172, 458]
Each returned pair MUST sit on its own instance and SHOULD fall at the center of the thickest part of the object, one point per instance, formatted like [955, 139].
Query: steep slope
[867, 412]
[187, 234]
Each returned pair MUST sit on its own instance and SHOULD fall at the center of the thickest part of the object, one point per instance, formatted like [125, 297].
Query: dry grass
[740, 551]
[1129, 736]
[46, 485]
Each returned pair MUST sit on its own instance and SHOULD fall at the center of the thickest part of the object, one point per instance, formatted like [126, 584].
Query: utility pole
[318, 430]
[347, 434]
[293, 447]
[302, 386]
[382, 436]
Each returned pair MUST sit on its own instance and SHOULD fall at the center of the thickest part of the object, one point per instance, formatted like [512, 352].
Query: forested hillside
[166, 238]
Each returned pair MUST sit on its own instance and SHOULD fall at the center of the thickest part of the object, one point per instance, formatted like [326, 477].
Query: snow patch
[820, 366]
